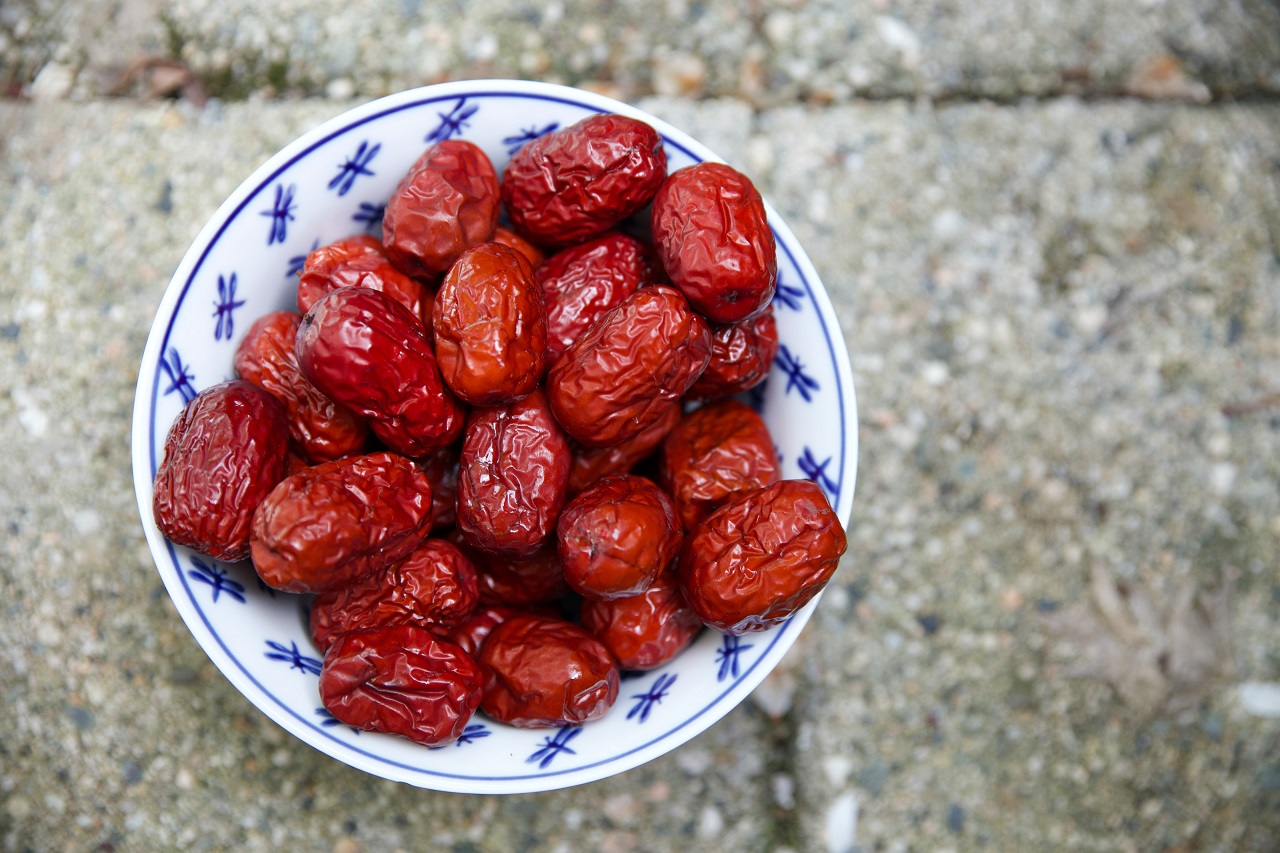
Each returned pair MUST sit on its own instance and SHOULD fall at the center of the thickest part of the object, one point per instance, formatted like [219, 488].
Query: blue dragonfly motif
[328, 720]
[656, 694]
[452, 122]
[224, 308]
[473, 732]
[180, 376]
[297, 262]
[527, 134]
[727, 656]
[292, 656]
[793, 369]
[354, 166]
[553, 746]
[281, 213]
[787, 296]
[369, 214]
[218, 578]
[817, 471]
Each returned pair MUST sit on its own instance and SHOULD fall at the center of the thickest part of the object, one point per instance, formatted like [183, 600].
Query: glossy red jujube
[402, 681]
[512, 477]
[360, 261]
[646, 630]
[546, 672]
[321, 428]
[527, 581]
[636, 362]
[617, 536]
[334, 524]
[715, 451]
[592, 463]
[507, 237]
[447, 203]
[434, 587]
[712, 235]
[761, 557]
[364, 350]
[470, 636]
[741, 357]
[581, 283]
[576, 182]
[223, 455]
[490, 325]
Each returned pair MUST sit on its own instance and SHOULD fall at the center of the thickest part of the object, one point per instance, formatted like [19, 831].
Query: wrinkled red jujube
[364, 350]
[321, 428]
[334, 524]
[434, 587]
[716, 451]
[546, 672]
[223, 455]
[402, 681]
[711, 232]
[761, 557]
[646, 630]
[617, 536]
[636, 362]
[447, 203]
[576, 182]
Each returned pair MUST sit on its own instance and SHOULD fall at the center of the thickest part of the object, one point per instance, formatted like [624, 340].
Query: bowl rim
[144, 427]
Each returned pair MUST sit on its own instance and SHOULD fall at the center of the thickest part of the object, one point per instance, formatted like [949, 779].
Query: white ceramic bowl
[328, 184]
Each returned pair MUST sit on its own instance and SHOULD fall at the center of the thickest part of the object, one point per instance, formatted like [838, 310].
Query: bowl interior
[329, 184]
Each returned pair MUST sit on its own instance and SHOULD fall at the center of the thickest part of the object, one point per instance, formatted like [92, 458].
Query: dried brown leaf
[1158, 656]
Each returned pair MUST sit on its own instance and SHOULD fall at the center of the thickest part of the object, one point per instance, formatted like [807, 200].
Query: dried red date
[522, 581]
[335, 524]
[629, 368]
[226, 451]
[617, 536]
[512, 477]
[592, 463]
[741, 357]
[711, 232]
[360, 261]
[470, 635]
[265, 356]
[576, 182]
[434, 588]
[402, 681]
[546, 672]
[364, 350]
[490, 326]
[447, 203]
[581, 283]
[717, 450]
[507, 237]
[646, 630]
[761, 557]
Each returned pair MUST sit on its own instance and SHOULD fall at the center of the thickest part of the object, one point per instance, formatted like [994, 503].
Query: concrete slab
[1064, 321]
[770, 53]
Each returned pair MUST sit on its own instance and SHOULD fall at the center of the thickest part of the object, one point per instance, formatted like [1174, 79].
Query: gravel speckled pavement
[1058, 623]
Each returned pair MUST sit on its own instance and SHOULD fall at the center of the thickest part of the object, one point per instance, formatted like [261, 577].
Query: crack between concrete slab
[1218, 96]
[782, 824]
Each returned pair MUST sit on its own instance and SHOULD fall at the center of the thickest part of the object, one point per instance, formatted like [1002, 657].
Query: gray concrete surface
[766, 51]
[1056, 627]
